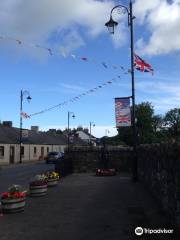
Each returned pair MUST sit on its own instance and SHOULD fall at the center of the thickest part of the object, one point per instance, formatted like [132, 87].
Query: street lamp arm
[121, 7]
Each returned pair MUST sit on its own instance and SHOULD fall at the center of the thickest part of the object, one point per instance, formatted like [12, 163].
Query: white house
[35, 144]
[86, 136]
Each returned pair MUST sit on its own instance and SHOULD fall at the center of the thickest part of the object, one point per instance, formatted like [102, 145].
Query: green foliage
[144, 114]
[172, 122]
[115, 140]
[149, 127]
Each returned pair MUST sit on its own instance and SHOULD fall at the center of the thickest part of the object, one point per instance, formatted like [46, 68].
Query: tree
[158, 122]
[172, 122]
[144, 125]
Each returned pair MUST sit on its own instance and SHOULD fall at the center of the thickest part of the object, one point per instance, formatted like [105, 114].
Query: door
[42, 153]
[12, 152]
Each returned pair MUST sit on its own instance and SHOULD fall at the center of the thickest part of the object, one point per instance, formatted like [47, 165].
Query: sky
[74, 30]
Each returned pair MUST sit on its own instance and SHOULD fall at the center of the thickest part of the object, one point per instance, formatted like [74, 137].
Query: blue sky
[54, 79]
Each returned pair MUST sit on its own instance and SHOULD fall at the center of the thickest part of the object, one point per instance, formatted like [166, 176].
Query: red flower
[15, 195]
[5, 195]
[22, 194]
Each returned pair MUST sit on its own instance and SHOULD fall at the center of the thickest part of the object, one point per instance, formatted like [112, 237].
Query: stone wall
[159, 170]
[87, 159]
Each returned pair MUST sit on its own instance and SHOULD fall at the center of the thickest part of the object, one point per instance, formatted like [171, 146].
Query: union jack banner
[123, 112]
[25, 115]
[141, 65]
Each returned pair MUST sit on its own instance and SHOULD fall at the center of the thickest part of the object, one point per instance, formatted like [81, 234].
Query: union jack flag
[141, 65]
[25, 115]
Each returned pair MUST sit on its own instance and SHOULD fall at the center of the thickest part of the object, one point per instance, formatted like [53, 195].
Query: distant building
[86, 136]
[35, 144]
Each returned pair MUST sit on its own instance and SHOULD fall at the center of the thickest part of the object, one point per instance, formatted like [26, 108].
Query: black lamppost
[91, 124]
[111, 24]
[23, 93]
[73, 116]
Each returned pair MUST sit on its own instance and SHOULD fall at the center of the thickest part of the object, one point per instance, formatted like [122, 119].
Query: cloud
[163, 95]
[71, 41]
[60, 24]
[38, 21]
[162, 19]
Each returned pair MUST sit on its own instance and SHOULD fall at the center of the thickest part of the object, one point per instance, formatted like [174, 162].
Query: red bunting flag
[25, 115]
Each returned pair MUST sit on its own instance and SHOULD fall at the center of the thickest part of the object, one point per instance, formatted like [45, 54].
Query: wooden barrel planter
[52, 182]
[37, 190]
[13, 205]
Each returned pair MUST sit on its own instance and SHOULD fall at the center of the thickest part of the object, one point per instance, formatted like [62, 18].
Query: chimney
[86, 130]
[7, 123]
[35, 128]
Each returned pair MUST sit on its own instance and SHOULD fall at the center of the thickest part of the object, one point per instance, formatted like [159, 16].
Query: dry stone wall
[159, 170]
[87, 159]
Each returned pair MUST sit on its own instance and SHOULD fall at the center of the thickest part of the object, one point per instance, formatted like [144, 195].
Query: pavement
[86, 207]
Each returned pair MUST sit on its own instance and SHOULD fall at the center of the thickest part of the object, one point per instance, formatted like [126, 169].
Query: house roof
[11, 135]
[87, 133]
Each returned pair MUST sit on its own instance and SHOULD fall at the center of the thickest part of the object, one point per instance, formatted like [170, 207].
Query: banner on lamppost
[123, 112]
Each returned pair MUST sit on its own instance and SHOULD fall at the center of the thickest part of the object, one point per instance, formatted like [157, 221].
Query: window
[47, 149]
[22, 150]
[1, 151]
[35, 151]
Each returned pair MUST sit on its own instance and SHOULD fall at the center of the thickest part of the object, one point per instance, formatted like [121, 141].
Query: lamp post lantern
[111, 24]
[73, 116]
[22, 94]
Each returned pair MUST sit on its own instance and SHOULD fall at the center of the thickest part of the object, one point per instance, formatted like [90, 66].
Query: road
[82, 207]
[21, 173]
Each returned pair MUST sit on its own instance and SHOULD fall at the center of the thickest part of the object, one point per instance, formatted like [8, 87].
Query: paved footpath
[86, 207]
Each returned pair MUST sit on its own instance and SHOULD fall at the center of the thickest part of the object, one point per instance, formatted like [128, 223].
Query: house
[86, 136]
[35, 144]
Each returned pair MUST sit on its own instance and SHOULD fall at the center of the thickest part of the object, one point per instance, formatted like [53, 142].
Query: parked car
[52, 157]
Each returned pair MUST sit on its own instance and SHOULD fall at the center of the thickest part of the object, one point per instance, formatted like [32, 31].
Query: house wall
[28, 152]
[4, 159]
[86, 137]
[83, 136]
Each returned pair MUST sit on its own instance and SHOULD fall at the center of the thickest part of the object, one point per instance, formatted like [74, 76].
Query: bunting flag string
[25, 115]
[62, 52]
[76, 97]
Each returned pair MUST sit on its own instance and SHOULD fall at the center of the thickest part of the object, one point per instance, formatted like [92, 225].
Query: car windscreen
[52, 153]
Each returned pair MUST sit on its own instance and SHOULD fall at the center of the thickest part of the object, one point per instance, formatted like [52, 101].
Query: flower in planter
[14, 192]
[52, 178]
[52, 175]
[13, 200]
[38, 180]
[38, 186]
